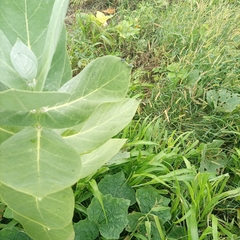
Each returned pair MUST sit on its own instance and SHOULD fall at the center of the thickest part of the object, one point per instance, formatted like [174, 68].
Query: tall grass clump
[197, 45]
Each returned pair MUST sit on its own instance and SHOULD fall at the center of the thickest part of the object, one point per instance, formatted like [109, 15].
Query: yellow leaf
[102, 18]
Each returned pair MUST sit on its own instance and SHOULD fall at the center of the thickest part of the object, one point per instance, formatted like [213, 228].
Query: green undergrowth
[185, 59]
[182, 155]
[182, 158]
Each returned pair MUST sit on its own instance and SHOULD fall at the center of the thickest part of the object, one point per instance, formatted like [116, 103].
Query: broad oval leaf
[18, 118]
[105, 79]
[54, 30]
[104, 123]
[38, 232]
[24, 61]
[60, 71]
[92, 161]
[6, 132]
[38, 162]
[13, 233]
[20, 100]
[52, 211]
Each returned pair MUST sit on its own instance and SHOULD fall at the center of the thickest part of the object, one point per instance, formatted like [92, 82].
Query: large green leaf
[52, 211]
[60, 71]
[105, 79]
[104, 123]
[86, 230]
[9, 76]
[2, 86]
[116, 210]
[92, 161]
[38, 162]
[13, 233]
[38, 232]
[117, 186]
[20, 100]
[54, 30]
[18, 118]
[6, 132]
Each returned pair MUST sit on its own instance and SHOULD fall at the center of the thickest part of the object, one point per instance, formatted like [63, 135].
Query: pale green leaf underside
[38, 162]
[104, 123]
[9, 76]
[20, 100]
[24, 60]
[52, 211]
[91, 162]
[38, 232]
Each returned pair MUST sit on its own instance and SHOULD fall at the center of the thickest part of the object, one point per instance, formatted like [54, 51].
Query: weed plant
[184, 142]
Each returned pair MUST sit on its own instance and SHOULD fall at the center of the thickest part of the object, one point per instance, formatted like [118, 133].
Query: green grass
[184, 140]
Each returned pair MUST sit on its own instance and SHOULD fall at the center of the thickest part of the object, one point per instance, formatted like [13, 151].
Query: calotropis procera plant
[54, 130]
